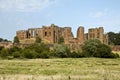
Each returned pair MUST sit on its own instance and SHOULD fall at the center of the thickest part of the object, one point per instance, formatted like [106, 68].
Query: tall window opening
[45, 33]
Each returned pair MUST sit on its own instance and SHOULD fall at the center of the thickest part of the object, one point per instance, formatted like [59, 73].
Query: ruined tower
[101, 34]
[67, 34]
[50, 34]
[80, 35]
[97, 33]
[22, 34]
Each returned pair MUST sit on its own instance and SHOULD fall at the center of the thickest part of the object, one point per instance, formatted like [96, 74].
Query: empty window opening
[45, 33]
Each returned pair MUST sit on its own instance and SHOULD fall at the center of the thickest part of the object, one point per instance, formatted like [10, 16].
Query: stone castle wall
[51, 34]
[115, 48]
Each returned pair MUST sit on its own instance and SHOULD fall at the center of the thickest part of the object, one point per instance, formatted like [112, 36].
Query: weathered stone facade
[51, 34]
[99, 34]
[115, 48]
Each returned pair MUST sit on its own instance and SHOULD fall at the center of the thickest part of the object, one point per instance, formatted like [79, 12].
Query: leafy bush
[4, 53]
[16, 54]
[14, 49]
[30, 54]
[104, 51]
[90, 47]
[61, 50]
[1, 47]
[37, 50]
[75, 55]
[16, 39]
[94, 48]
[38, 39]
[44, 54]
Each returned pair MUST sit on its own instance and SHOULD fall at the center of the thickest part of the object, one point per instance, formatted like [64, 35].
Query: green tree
[16, 39]
[14, 49]
[61, 50]
[16, 54]
[5, 40]
[94, 48]
[113, 38]
[38, 39]
[61, 40]
[1, 47]
[41, 49]
[28, 53]
[90, 47]
[1, 39]
[117, 38]
[4, 53]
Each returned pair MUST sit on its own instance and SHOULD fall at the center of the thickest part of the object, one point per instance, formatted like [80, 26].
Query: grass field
[60, 69]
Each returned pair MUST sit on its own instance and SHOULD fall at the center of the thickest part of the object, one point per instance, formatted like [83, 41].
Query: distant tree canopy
[3, 40]
[113, 38]
[16, 40]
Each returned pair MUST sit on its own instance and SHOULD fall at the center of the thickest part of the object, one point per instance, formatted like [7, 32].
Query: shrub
[94, 48]
[38, 39]
[30, 54]
[10, 57]
[44, 54]
[16, 54]
[4, 53]
[90, 47]
[16, 39]
[14, 49]
[75, 55]
[61, 50]
[40, 50]
[103, 51]
[1, 47]
[38, 47]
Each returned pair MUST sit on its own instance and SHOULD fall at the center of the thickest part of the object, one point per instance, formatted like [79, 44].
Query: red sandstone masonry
[51, 34]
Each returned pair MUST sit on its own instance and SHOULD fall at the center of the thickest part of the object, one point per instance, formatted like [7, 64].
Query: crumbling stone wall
[98, 33]
[22, 34]
[115, 48]
[51, 34]
[80, 35]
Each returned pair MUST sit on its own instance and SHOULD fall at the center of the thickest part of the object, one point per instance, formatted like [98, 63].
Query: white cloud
[24, 5]
[98, 14]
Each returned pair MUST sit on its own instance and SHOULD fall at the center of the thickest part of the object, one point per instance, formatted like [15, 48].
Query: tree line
[113, 38]
[3, 40]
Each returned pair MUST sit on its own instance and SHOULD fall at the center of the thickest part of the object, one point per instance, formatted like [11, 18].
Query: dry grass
[60, 69]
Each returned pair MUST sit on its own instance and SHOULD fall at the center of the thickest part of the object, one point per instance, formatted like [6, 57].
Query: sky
[23, 14]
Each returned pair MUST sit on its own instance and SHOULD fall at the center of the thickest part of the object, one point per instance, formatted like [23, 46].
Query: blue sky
[23, 14]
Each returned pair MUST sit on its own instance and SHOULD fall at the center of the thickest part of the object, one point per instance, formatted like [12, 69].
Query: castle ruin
[51, 34]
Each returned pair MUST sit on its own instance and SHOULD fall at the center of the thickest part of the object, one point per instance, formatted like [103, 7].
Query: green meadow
[60, 69]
